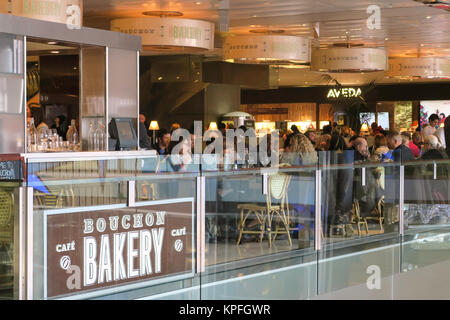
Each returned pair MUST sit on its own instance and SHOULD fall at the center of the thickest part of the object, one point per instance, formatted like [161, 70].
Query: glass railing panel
[108, 241]
[426, 214]
[9, 253]
[259, 233]
[11, 208]
[360, 203]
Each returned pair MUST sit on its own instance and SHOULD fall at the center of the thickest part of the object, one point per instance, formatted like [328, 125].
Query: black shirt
[402, 153]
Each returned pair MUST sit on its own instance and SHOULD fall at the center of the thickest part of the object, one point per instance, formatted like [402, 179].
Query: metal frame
[131, 199]
[318, 213]
[59, 32]
[201, 229]
[19, 246]
[107, 97]
[29, 241]
[137, 100]
[401, 200]
[24, 111]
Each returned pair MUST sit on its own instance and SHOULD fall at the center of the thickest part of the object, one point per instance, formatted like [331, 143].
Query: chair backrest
[380, 206]
[6, 208]
[277, 189]
[356, 209]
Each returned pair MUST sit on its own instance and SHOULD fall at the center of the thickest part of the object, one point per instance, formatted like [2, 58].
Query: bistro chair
[278, 185]
[6, 219]
[379, 209]
[277, 189]
[248, 209]
[357, 219]
[56, 198]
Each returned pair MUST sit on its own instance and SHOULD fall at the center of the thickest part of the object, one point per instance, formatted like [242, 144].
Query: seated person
[144, 139]
[162, 146]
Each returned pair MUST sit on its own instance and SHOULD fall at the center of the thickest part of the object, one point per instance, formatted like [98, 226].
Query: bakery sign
[100, 249]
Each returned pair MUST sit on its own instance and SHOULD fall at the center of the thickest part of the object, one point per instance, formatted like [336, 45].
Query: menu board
[10, 168]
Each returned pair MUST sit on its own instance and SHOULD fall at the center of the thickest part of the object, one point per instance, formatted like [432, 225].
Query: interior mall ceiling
[408, 28]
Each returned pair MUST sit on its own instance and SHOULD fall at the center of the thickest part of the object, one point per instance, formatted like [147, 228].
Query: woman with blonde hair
[303, 149]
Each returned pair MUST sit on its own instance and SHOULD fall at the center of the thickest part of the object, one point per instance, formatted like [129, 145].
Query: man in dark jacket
[400, 152]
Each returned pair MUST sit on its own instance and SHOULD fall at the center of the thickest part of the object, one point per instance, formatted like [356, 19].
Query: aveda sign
[344, 93]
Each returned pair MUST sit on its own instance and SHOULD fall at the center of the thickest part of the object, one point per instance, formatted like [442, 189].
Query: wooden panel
[302, 112]
[282, 111]
[326, 112]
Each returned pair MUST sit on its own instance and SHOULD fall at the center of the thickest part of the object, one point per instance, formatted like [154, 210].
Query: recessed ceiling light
[254, 16]
[428, 17]
[163, 13]
[54, 52]
[421, 44]
[198, 3]
[386, 39]
[52, 42]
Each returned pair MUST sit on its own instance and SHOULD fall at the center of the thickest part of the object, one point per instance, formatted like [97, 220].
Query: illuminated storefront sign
[105, 248]
[426, 67]
[165, 33]
[349, 60]
[61, 11]
[271, 48]
[344, 93]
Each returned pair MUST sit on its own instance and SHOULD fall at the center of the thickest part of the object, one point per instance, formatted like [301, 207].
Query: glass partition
[100, 232]
[426, 215]
[258, 221]
[141, 227]
[9, 234]
[360, 204]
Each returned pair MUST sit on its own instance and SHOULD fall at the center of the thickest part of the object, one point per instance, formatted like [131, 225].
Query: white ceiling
[405, 28]
[408, 28]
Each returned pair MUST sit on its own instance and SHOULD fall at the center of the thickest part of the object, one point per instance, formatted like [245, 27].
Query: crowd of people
[308, 148]
[377, 145]
[297, 148]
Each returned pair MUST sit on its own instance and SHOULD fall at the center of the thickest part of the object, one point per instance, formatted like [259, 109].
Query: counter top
[99, 155]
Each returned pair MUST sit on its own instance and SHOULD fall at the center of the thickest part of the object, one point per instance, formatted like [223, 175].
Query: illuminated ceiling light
[52, 42]
[198, 3]
[267, 49]
[167, 34]
[267, 31]
[162, 13]
[422, 45]
[417, 68]
[428, 17]
[54, 51]
[336, 59]
[386, 39]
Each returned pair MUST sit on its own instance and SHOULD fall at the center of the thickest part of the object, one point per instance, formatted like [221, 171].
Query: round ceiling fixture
[169, 34]
[268, 48]
[50, 10]
[423, 67]
[360, 59]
